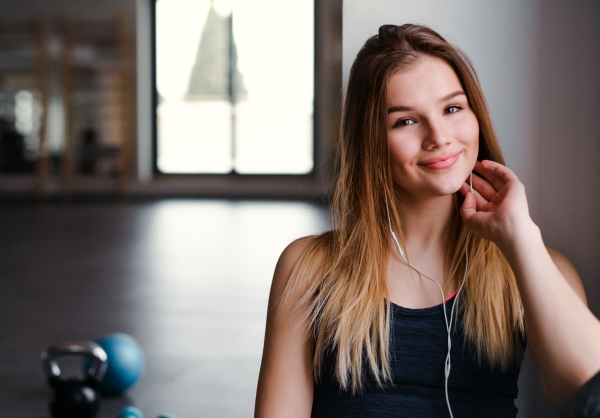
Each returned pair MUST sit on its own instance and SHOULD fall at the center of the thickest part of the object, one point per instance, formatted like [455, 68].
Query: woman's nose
[436, 136]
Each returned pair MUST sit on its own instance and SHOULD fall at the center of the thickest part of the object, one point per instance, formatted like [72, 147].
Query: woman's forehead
[425, 80]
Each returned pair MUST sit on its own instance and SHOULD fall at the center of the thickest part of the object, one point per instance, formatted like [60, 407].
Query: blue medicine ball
[166, 416]
[125, 362]
[130, 412]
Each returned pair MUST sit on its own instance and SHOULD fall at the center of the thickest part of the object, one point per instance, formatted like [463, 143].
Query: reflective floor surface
[188, 279]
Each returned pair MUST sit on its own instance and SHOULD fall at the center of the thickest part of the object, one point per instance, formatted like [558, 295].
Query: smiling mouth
[441, 162]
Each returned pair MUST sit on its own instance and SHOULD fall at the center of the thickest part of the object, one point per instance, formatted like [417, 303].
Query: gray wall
[539, 65]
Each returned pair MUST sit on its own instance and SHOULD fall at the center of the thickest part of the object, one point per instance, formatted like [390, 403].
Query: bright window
[235, 83]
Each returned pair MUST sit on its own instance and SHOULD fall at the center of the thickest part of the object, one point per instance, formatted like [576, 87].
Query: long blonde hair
[341, 275]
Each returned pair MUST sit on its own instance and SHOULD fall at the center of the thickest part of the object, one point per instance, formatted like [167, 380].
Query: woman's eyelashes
[408, 121]
[452, 109]
[403, 122]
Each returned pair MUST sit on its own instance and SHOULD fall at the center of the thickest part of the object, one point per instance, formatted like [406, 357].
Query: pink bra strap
[452, 295]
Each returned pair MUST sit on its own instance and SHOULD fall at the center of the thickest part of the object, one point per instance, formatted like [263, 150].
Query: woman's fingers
[497, 203]
[469, 213]
[469, 206]
[484, 188]
[479, 199]
[497, 174]
[501, 170]
[493, 177]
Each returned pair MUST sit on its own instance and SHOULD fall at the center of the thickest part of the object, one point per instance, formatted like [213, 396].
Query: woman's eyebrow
[408, 108]
[451, 95]
[399, 109]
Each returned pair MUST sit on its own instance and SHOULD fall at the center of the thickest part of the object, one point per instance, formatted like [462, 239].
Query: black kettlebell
[75, 397]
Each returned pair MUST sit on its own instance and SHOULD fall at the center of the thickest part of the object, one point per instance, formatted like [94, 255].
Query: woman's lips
[441, 162]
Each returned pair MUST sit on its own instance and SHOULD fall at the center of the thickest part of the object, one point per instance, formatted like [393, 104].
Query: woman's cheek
[401, 152]
[470, 134]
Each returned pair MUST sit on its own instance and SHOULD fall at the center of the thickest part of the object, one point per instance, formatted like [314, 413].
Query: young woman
[420, 300]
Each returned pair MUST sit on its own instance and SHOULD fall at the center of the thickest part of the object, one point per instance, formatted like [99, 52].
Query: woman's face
[433, 135]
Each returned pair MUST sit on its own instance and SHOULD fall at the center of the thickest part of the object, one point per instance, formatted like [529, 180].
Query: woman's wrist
[524, 237]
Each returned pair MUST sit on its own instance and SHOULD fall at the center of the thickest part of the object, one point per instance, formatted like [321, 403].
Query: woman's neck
[426, 223]
[426, 226]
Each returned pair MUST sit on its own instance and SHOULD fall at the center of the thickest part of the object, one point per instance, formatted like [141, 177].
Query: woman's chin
[430, 192]
[446, 189]
[444, 184]
[438, 188]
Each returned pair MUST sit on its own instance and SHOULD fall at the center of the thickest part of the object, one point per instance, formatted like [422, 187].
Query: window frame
[327, 94]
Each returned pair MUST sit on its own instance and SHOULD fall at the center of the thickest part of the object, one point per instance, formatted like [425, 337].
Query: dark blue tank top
[418, 350]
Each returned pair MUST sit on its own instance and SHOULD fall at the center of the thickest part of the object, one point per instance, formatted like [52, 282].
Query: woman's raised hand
[497, 209]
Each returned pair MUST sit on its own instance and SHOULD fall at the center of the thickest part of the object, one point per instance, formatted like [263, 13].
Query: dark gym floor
[188, 279]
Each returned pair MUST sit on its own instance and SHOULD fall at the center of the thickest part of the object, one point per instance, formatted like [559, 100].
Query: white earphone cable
[448, 323]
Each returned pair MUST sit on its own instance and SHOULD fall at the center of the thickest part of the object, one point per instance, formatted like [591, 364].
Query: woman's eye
[404, 122]
[453, 109]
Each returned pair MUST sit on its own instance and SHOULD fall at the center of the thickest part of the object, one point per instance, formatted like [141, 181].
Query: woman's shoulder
[291, 254]
[316, 245]
[313, 247]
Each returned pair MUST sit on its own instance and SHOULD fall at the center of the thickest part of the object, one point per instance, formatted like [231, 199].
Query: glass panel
[192, 77]
[274, 116]
[235, 92]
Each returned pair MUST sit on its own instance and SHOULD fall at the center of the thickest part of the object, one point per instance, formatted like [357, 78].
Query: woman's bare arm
[571, 275]
[563, 334]
[285, 384]
[569, 272]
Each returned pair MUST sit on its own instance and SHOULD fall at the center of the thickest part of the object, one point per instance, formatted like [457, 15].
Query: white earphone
[448, 323]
